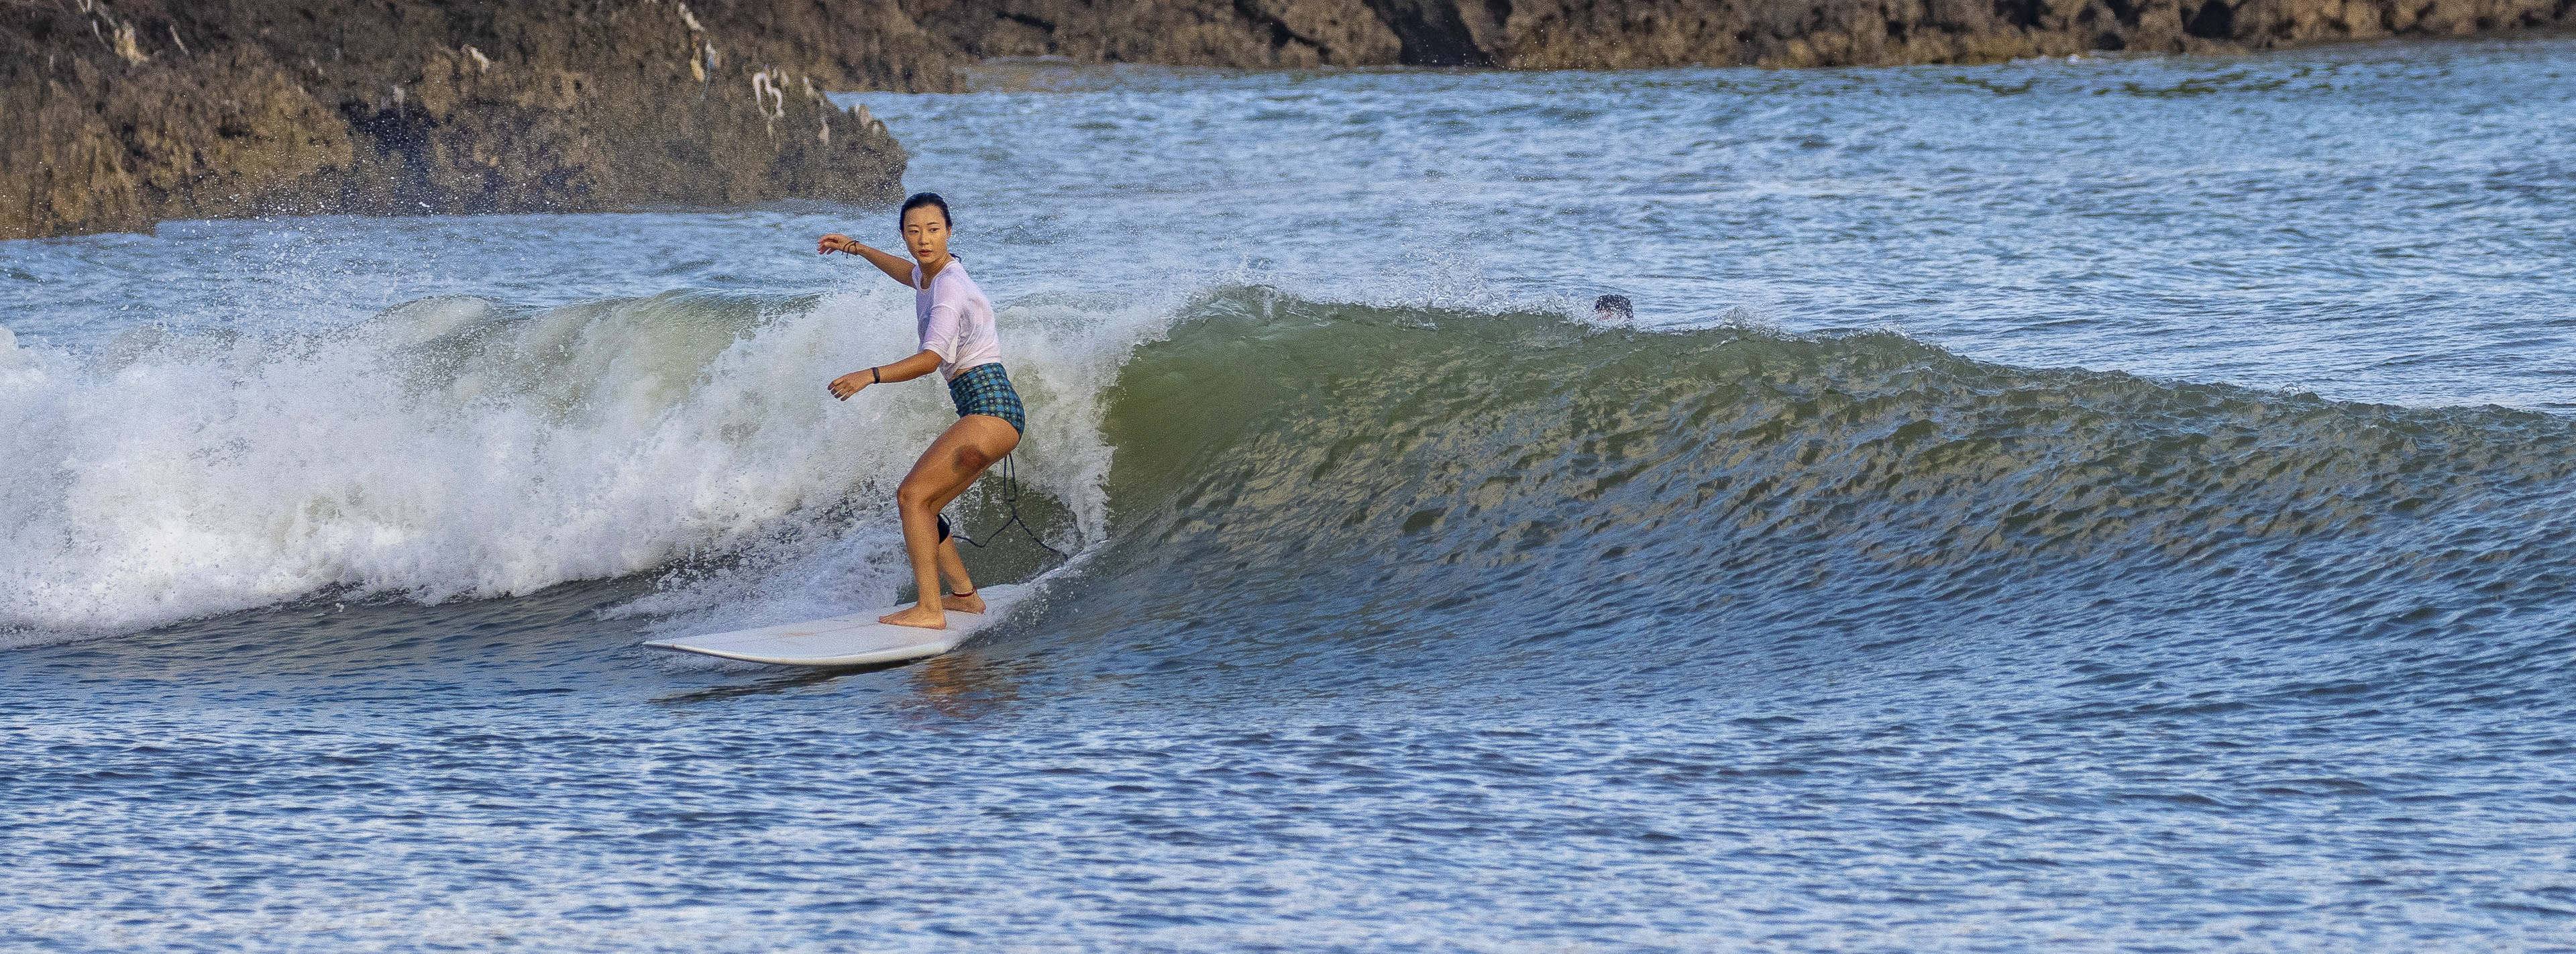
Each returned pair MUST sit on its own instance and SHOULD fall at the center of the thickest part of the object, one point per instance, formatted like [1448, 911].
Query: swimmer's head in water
[1613, 308]
[926, 226]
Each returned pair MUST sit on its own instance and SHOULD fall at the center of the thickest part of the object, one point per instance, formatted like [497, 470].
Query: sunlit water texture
[2112, 504]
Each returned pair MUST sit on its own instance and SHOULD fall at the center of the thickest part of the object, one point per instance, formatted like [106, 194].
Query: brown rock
[117, 115]
[1596, 34]
[114, 115]
[1236, 33]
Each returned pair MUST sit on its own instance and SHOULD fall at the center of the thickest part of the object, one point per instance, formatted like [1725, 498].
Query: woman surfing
[958, 341]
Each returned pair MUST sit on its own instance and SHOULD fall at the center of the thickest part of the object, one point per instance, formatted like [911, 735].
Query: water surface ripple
[2109, 505]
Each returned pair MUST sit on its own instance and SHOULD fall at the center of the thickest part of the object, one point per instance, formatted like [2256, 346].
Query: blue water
[2118, 505]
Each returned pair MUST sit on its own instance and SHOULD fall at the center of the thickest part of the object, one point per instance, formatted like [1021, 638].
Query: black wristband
[874, 377]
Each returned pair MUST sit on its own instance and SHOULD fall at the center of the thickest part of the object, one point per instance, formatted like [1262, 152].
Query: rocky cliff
[1557, 34]
[114, 115]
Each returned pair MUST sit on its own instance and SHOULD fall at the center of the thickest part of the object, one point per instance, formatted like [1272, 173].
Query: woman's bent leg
[944, 471]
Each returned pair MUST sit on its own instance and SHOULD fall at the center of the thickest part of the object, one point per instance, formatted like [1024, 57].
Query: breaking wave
[1305, 473]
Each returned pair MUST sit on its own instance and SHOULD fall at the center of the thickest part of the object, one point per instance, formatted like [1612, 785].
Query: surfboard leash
[1011, 499]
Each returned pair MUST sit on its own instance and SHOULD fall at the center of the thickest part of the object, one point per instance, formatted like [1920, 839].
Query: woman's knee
[916, 495]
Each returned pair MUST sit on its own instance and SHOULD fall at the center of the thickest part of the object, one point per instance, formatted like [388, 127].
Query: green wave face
[1288, 471]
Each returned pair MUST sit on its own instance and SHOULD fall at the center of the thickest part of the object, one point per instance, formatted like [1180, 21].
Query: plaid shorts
[986, 389]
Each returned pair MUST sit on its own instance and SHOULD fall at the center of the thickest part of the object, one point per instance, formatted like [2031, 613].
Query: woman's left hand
[848, 384]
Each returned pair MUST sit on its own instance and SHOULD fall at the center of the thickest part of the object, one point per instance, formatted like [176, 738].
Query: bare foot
[918, 617]
[969, 603]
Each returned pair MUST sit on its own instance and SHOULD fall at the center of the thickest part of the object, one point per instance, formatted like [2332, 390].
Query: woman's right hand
[849, 384]
[899, 269]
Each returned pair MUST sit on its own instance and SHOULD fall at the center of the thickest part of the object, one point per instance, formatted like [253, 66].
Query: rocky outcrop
[1595, 34]
[1240, 33]
[114, 115]
[1565, 33]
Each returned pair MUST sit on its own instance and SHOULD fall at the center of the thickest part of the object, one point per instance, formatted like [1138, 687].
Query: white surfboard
[853, 640]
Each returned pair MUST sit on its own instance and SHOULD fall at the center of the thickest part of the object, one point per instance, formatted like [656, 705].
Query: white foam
[450, 448]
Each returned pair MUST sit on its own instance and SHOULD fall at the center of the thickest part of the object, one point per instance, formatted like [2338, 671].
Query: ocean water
[2118, 504]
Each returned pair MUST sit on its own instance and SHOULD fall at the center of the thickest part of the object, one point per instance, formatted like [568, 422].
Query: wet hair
[1614, 306]
[920, 199]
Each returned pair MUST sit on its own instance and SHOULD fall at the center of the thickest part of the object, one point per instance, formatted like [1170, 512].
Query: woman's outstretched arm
[896, 267]
[905, 370]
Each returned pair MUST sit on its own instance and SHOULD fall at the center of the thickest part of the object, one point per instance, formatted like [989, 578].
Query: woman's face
[925, 231]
